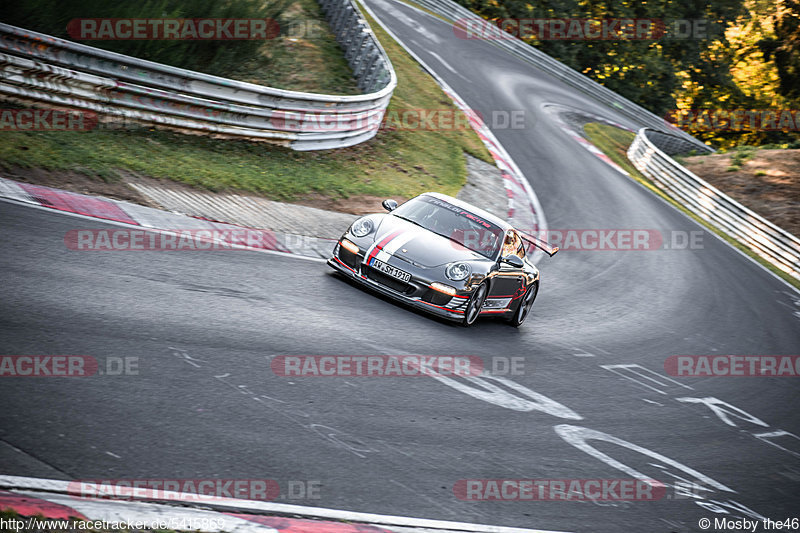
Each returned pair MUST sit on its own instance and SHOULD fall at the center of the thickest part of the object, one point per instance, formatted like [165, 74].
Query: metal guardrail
[41, 68]
[774, 244]
[465, 20]
[651, 149]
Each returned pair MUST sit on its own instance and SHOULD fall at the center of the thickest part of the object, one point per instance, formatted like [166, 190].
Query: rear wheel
[474, 305]
[525, 305]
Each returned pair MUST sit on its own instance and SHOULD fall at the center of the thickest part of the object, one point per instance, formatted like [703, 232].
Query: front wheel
[474, 305]
[525, 305]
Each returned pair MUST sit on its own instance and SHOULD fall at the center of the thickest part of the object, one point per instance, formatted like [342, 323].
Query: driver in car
[511, 244]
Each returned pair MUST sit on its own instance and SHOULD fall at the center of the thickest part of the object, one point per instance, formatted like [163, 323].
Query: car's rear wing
[540, 244]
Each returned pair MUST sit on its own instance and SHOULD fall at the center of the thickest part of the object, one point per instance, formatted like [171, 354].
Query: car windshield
[457, 224]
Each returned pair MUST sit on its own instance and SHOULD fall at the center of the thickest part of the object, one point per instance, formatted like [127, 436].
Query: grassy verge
[400, 163]
[614, 142]
[305, 57]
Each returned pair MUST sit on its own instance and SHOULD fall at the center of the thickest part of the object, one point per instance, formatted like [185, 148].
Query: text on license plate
[390, 270]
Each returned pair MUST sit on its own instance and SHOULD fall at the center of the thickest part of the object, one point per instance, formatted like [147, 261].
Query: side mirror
[389, 204]
[513, 260]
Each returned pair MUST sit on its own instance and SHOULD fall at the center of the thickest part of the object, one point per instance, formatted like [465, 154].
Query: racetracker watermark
[172, 29]
[137, 240]
[26, 120]
[376, 365]
[410, 119]
[735, 119]
[733, 365]
[596, 240]
[66, 366]
[577, 490]
[177, 523]
[192, 490]
[577, 29]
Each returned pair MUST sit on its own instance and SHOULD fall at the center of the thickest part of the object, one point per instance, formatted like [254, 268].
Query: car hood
[419, 246]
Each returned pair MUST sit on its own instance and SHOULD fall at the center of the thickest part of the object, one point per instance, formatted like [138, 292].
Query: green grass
[614, 142]
[306, 58]
[210, 56]
[302, 54]
[740, 155]
[395, 163]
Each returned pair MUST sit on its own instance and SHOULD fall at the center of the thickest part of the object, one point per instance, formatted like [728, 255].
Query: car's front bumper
[451, 310]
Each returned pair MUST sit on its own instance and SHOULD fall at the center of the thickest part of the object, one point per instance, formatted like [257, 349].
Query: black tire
[524, 308]
[473, 309]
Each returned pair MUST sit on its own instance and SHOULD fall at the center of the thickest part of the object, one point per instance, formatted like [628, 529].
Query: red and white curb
[129, 214]
[524, 210]
[58, 499]
[557, 111]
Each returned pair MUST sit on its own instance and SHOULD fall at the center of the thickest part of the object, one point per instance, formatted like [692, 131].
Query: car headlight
[362, 227]
[457, 271]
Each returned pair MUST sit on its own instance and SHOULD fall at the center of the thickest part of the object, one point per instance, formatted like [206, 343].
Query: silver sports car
[445, 256]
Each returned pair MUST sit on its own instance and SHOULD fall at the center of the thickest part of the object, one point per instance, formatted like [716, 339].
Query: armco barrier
[650, 149]
[41, 68]
[774, 244]
[462, 18]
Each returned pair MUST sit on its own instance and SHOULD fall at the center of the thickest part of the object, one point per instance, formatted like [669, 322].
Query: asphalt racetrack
[590, 399]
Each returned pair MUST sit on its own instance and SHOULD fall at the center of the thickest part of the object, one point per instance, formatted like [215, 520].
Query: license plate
[390, 270]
